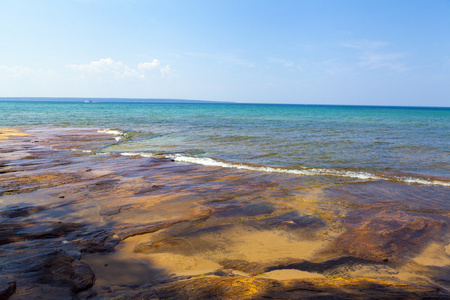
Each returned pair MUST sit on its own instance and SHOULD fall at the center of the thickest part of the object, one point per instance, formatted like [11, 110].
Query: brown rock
[7, 288]
[16, 232]
[263, 288]
[392, 236]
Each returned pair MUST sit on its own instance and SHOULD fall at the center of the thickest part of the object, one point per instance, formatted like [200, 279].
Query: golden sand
[6, 133]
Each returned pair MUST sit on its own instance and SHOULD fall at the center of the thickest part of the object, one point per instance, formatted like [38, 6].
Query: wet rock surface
[259, 288]
[78, 224]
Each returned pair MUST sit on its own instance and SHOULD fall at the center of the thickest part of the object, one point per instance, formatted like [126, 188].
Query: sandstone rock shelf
[76, 223]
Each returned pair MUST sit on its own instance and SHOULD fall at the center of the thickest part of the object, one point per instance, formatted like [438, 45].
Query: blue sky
[310, 52]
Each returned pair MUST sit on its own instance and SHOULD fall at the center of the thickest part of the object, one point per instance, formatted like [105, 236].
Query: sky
[251, 51]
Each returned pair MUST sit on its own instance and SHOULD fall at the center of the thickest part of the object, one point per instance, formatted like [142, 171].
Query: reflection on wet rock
[393, 236]
[78, 223]
[23, 231]
[291, 221]
[21, 211]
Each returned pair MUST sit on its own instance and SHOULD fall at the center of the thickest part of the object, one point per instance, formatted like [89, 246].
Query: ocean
[224, 191]
[403, 144]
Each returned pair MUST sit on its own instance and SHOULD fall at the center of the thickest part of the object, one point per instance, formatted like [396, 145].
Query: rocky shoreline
[77, 224]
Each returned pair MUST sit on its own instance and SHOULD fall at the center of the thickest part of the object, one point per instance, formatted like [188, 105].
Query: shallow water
[369, 143]
[189, 219]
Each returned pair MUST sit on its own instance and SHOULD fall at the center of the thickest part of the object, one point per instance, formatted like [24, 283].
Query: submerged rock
[389, 236]
[202, 233]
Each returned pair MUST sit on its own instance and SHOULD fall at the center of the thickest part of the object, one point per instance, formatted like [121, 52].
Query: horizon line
[193, 101]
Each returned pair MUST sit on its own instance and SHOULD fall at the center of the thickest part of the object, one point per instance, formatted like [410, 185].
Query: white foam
[142, 154]
[120, 134]
[305, 172]
[111, 131]
[206, 161]
[81, 150]
[130, 154]
[421, 181]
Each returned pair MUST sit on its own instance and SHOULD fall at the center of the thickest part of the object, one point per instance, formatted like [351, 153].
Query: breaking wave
[361, 175]
[119, 134]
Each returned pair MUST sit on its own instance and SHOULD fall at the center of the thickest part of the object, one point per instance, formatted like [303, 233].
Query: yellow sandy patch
[434, 255]
[6, 133]
[193, 256]
[290, 274]
[241, 243]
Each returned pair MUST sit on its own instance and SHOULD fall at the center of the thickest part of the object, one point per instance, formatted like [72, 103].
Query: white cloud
[99, 66]
[383, 60]
[149, 65]
[372, 55]
[166, 71]
[106, 65]
[20, 72]
[365, 44]
[120, 70]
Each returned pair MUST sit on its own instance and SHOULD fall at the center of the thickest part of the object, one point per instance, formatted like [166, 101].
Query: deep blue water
[356, 141]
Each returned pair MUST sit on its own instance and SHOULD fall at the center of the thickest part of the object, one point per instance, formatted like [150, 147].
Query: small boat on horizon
[88, 101]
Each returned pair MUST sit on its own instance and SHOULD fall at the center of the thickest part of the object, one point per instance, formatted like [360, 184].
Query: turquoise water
[389, 143]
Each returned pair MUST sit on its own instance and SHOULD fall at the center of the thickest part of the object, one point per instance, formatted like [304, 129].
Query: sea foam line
[142, 154]
[81, 150]
[206, 161]
[120, 134]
